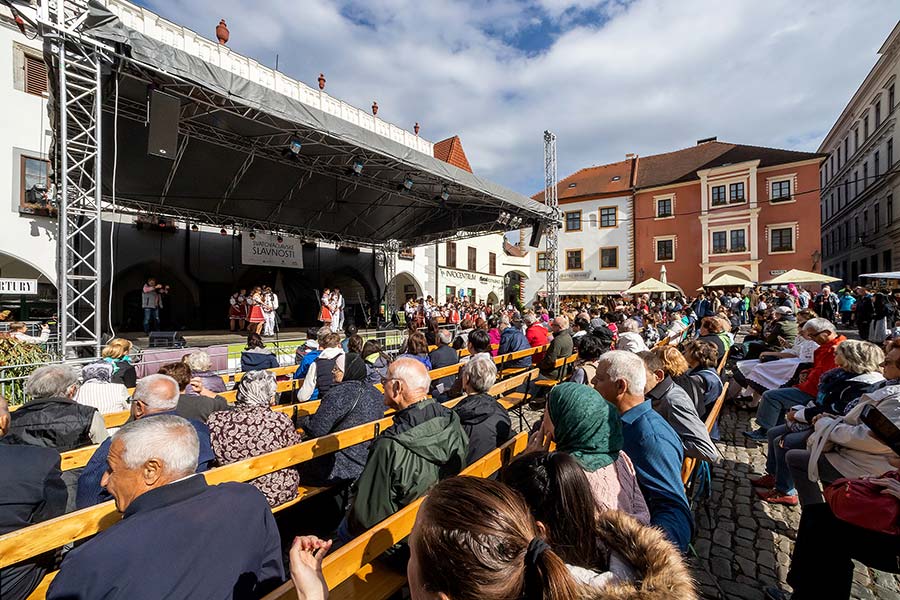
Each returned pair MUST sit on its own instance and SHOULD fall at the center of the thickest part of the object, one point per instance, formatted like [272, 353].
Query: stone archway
[514, 288]
[733, 270]
[406, 286]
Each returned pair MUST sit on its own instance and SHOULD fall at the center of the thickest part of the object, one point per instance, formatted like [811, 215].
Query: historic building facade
[860, 228]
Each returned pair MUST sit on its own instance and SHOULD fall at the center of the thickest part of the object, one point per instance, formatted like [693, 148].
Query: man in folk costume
[270, 305]
[337, 323]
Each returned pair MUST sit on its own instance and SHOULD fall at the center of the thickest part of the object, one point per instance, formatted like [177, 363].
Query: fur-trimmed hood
[660, 570]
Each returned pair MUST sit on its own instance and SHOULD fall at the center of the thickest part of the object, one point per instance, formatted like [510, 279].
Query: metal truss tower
[551, 199]
[391, 250]
[77, 163]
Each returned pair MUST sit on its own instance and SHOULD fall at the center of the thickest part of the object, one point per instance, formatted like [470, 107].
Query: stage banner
[266, 250]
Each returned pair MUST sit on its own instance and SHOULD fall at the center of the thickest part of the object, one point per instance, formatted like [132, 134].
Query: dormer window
[571, 185]
[616, 178]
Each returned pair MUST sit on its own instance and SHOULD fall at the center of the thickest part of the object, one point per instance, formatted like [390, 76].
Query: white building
[596, 243]
[27, 229]
[860, 225]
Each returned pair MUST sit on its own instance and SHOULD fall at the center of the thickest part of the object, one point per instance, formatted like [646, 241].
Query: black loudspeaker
[166, 339]
[163, 135]
[537, 232]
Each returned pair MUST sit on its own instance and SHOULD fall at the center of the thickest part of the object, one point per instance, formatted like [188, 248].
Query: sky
[608, 77]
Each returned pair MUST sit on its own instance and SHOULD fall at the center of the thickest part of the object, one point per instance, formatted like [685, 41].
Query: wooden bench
[348, 571]
[721, 366]
[561, 363]
[690, 464]
[54, 533]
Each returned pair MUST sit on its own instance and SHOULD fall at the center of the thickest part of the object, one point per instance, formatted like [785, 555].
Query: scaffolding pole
[551, 199]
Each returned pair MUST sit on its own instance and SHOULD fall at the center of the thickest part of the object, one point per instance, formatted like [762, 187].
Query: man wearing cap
[780, 334]
[784, 298]
[775, 403]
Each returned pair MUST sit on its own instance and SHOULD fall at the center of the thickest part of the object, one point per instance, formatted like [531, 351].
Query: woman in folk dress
[237, 310]
[256, 313]
[325, 309]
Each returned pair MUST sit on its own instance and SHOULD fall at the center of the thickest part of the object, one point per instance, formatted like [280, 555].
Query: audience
[320, 376]
[425, 444]
[630, 338]
[485, 422]
[653, 446]
[676, 407]
[705, 386]
[512, 339]
[201, 369]
[376, 362]
[417, 348]
[179, 538]
[256, 357]
[33, 491]
[589, 350]
[584, 425]
[710, 328]
[560, 347]
[536, 334]
[117, 352]
[440, 357]
[154, 396]
[253, 428]
[193, 407]
[98, 390]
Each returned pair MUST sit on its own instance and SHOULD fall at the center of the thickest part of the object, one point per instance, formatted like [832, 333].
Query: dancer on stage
[325, 309]
[270, 305]
[255, 302]
[337, 321]
[237, 311]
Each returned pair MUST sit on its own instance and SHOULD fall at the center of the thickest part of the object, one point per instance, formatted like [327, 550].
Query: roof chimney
[629, 156]
[706, 140]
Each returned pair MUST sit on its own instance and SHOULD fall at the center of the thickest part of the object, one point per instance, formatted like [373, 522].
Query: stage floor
[199, 338]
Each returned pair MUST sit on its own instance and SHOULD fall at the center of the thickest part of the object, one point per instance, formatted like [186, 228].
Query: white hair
[562, 321]
[167, 438]
[198, 361]
[151, 390]
[52, 381]
[625, 366]
[412, 373]
[819, 325]
[630, 325]
[445, 336]
[530, 319]
[480, 372]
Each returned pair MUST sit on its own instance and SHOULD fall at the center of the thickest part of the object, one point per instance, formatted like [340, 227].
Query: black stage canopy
[234, 167]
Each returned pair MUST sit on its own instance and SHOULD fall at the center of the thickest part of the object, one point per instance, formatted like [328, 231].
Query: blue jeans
[151, 318]
[775, 403]
[781, 439]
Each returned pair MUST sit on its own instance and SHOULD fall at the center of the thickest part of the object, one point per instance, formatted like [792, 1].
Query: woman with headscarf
[98, 390]
[587, 427]
[253, 428]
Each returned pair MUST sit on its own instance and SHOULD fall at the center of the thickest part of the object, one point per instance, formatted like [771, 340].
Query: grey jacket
[676, 407]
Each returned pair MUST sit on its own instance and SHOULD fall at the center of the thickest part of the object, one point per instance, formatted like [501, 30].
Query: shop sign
[577, 275]
[469, 276]
[777, 272]
[19, 287]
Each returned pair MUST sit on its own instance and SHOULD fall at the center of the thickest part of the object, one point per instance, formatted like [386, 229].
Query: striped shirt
[105, 397]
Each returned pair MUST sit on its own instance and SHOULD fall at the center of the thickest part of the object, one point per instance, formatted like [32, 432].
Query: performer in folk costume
[325, 309]
[256, 312]
[237, 310]
[270, 305]
[337, 324]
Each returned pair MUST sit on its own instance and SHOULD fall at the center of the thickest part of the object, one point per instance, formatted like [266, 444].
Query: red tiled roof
[682, 165]
[513, 249]
[592, 181]
[451, 151]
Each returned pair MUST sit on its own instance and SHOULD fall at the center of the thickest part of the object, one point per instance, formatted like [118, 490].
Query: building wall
[860, 224]
[27, 241]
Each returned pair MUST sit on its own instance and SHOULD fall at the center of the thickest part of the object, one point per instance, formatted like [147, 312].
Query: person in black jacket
[485, 422]
[443, 356]
[193, 407]
[32, 491]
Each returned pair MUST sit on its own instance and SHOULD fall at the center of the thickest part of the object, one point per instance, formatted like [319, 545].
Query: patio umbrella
[727, 280]
[649, 286]
[798, 276]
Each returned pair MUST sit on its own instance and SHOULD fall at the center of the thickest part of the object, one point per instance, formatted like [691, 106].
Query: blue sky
[609, 77]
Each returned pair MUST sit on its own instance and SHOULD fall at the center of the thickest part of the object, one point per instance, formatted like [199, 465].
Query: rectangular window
[450, 293]
[664, 207]
[781, 239]
[890, 153]
[471, 294]
[33, 188]
[35, 76]
[840, 202]
[877, 164]
[492, 263]
[408, 253]
[738, 240]
[877, 113]
[609, 217]
[865, 222]
[889, 209]
[573, 220]
[665, 250]
[886, 261]
[451, 255]
[877, 217]
[736, 193]
[847, 231]
[891, 98]
[719, 242]
[856, 230]
[473, 259]
[832, 165]
[541, 261]
[839, 156]
[855, 184]
[781, 191]
[609, 258]
[718, 195]
[847, 148]
[874, 262]
[854, 271]
[865, 179]
[573, 260]
[864, 264]
[866, 127]
[856, 140]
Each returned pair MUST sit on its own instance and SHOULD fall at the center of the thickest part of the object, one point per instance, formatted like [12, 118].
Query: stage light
[252, 235]
[445, 194]
[223, 231]
[357, 166]
[406, 185]
[194, 227]
[295, 146]
[504, 217]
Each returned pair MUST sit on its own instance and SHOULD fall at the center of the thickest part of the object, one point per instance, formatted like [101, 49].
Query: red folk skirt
[256, 314]
[325, 314]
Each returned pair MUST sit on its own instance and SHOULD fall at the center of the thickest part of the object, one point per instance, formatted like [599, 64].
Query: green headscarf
[585, 425]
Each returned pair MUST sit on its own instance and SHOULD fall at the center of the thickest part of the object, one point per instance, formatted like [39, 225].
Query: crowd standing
[604, 515]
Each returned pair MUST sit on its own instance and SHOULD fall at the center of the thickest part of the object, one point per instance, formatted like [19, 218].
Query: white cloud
[652, 76]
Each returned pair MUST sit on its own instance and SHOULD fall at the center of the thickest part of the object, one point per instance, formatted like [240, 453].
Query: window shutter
[35, 76]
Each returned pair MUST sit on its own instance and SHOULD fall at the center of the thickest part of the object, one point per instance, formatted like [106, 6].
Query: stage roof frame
[237, 127]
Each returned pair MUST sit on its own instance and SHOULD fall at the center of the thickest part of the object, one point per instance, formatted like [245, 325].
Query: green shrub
[17, 361]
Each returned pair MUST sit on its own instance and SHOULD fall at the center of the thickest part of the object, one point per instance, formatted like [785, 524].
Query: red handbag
[861, 503]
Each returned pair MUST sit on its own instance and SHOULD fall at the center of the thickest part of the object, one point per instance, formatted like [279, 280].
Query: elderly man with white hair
[425, 444]
[154, 395]
[179, 537]
[650, 442]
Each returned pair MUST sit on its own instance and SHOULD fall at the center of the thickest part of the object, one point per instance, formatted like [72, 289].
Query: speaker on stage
[163, 133]
[166, 339]
[537, 232]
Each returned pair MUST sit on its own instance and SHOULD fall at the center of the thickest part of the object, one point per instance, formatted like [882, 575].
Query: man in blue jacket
[179, 537]
[512, 339]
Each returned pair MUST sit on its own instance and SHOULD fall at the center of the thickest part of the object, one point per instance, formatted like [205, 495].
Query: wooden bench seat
[373, 581]
[690, 464]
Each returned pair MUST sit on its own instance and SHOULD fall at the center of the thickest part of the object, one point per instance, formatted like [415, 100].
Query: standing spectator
[485, 422]
[826, 304]
[98, 390]
[865, 311]
[425, 444]
[846, 304]
[151, 302]
[19, 331]
[180, 537]
[536, 334]
[320, 376]
[651, 443]
[255, 356]
[882, 318]
[198, 406]
[201, 368]
[118, 353]
[33, 491]
[236, 434]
